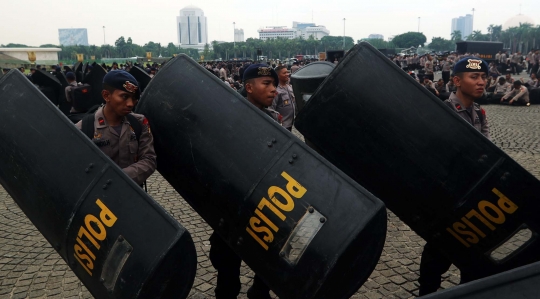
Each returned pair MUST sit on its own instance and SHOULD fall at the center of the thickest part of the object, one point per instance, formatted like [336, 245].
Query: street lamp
[343, 33]
[104, 36]
[418, 24]
[234, 38]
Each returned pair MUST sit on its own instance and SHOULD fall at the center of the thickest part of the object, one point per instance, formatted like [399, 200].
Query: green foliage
[409, 39]
[456, 36]
[379, 43]
[441, 44]
[15, 46]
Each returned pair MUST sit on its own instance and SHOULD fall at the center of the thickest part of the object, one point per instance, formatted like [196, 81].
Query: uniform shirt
[429, 66]
[284, 103]
[470, 115]
[516, 58]
[502, 88]
[137, 159]
[533, 83]
[222, 73]
[68, 90]
[447, 66]
[521, 93]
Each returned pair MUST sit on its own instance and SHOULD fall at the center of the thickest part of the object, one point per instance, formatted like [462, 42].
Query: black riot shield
[519, 283]
[141, 75]
[95, 79]
[63, 104]
[48, 84]
[442, 177]
[117, 240]
[306, 80]
[78, 70]
[302, 225]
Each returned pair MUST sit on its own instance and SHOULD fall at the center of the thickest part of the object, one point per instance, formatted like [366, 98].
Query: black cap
[260, 70]
[122, 80]
[70, 75]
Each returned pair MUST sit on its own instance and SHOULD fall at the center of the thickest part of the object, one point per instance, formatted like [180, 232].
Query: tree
[478, 36]
[379, 43]
[441, 44]
[456, 36]
[409, 39]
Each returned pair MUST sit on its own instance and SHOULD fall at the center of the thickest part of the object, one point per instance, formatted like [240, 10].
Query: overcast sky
[36, 22]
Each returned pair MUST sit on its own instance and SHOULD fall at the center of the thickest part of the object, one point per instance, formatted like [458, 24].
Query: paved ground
[30, 268]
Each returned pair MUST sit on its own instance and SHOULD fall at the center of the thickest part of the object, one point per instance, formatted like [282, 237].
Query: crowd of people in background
[500, 86]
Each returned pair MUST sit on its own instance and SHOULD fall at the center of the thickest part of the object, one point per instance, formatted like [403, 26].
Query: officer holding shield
[114, 127]
[260, 83]
[470, 77]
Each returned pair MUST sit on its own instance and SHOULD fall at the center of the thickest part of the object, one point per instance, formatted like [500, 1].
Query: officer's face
[120, 102]
[261, 91]
[471, 83]
[283, 75]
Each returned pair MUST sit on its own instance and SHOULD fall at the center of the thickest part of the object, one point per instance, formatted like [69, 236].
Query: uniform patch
[101, 143]
[264, 71]
[130, 87]
[101, 121]
[474, 64]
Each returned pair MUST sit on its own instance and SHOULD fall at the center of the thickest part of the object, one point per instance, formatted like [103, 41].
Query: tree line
[277, 48]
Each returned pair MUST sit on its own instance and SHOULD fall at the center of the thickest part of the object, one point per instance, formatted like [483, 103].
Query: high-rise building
[192, 27]
[376, 36]
[463, 24]
[238, 35]
[73, 36]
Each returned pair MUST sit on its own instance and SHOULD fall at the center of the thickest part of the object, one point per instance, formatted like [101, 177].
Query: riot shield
[77, 69]
[306, 80]
[63, 104]
[442, 177]
[48, 84]
[302, 225]
[141, 75]
[519, 283]
[115, 238]
[95, 80]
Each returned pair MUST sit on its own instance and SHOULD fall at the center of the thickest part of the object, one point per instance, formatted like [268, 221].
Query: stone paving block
[30, 268]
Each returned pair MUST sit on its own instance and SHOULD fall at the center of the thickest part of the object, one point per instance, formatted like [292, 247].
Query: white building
[310, 29]
[44, 56]
[317, 32]
[277, 31]
[463, 24]
[376, 36]
[238, 35]
[192, 27]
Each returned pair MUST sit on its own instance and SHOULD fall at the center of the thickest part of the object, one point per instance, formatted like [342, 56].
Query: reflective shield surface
[519, 283]
[48, 84]
[141, 75]
[307, 79]
[306, 228]
[95, 79]
[442, 177]
[115, 238]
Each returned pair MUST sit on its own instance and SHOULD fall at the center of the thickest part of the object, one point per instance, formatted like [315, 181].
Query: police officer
[260, 83]
[470, 77]
[284, 102]
[114, 132]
